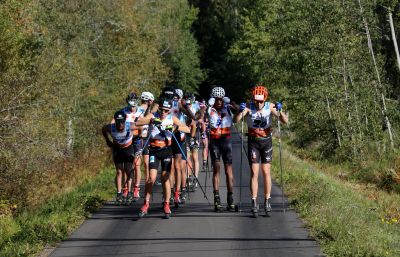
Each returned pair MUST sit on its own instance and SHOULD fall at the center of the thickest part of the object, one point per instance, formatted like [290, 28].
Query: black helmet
[189, 98]
[120, 116]
[165, 103]
[168, 92]
[132, 99]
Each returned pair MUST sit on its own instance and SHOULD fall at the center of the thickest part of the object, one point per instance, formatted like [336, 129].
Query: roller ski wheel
[232, 208]
[129, 199]
[218, 208]
[118, 199]
[183, 197]
[143, 211]
[254, 212]
[217, 204]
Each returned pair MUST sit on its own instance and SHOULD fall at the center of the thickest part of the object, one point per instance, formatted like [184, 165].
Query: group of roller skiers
[169, 132]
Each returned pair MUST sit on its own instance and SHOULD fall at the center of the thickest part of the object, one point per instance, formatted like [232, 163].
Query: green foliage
[344, 220]
[65, 67]
[315, 56]
[27, 233]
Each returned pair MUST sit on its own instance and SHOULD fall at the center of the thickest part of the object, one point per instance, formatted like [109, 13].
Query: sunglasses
[164, 110]
[218, 99]
[259, 102]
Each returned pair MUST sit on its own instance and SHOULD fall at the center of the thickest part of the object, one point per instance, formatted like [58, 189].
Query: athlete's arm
[145, 120]
[181, 126]
[106, 130]
[185, 110]
[281, 115]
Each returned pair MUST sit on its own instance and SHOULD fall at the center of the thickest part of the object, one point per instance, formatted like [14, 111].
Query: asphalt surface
[194, 229]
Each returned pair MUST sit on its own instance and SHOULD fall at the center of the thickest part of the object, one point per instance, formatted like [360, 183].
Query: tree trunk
[394, 39]
[383, 102]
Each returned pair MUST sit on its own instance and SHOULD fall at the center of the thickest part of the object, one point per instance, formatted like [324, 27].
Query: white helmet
[179, 92]
[147, 96]
[218, 92]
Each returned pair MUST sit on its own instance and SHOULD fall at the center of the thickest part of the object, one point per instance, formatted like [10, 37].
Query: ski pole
[280, 161]
[241, 166]
[184, 155]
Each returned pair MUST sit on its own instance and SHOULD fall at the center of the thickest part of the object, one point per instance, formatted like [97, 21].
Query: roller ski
[129, 198]
[184, 196]
[254, 208]
[144, 210]
[167, 210]
[136, 195]
[118, 199]
[231, 206]
[217, 204]
[267, 208]
[190, 183]
[125, 196]
[176, 199]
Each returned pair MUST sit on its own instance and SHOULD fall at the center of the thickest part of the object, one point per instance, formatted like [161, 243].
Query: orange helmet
[259, 93]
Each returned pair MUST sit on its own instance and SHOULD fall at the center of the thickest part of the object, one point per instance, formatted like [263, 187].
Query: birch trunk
[381, 93]
[394, 39]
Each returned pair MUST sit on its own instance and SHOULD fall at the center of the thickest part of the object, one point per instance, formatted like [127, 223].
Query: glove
[171, 127]
[192, 142]
[202, 105]
[227, 100]
[138, 153]
[278, 106]
[109, 143]
[211, 101]
[156, 121]
[242, 106]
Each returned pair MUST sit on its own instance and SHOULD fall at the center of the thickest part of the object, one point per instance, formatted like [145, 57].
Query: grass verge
[345, 219]
[29, 232]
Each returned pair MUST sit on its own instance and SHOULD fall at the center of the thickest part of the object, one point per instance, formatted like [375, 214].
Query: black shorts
[163, 155]
[221, 147]
[123, 157]
[175, 147]
[260, 149]
[137, 145]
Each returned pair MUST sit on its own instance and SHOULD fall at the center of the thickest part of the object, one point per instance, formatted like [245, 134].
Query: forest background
[66, 66]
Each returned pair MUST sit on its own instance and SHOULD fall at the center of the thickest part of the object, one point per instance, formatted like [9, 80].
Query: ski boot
[167, 210]
[204, 166]
[231, 206]
[125, 196]
[144, 210]
[177, 199]
[136, 195]
[267, 208]
[190, 183]
[129, 198]
[254, 208]
[217, 203]
[184, 195]
[118, 199]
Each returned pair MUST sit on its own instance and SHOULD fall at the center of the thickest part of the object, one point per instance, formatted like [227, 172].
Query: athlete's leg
[266, 169]
[254, 180]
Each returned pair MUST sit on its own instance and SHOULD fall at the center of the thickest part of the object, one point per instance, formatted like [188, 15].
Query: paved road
[194, 229]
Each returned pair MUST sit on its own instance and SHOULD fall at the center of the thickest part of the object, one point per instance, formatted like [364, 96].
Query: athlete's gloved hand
[109, 143]
[211, 101]
[156, 121]
[138, 153]
[226, 100]
[242, 106]
[278, 106]
[202, 105]
[192, 142]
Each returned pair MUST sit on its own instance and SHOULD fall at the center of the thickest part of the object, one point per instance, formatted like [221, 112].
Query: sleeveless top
[220, 123]
[259, 122]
